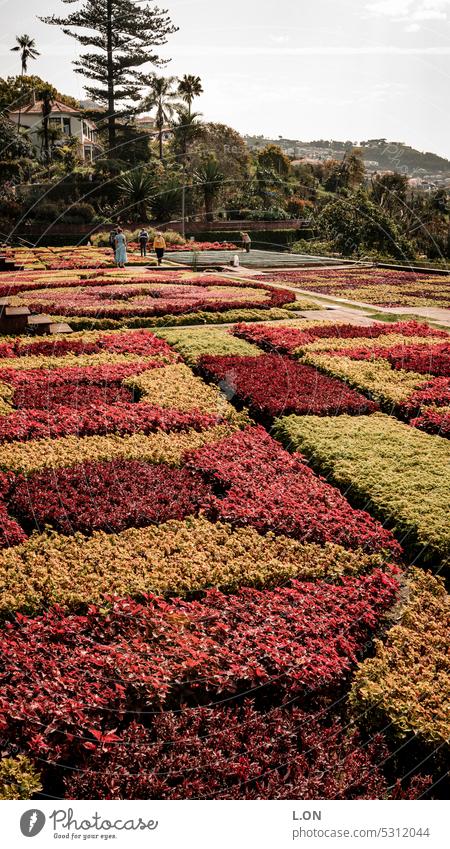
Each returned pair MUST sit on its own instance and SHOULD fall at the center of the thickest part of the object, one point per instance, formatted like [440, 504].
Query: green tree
[273, 158]
[26, 46]
[161, 97]
[190, 87]
[355, 225]
[18, 91]
[186, 130]
[209, 178]
[389, 191]
[123, 35]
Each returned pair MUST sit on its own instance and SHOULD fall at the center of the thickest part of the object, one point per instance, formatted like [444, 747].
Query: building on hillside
[69, 121]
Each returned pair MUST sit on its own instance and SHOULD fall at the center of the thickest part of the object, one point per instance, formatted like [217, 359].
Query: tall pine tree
[124, 34]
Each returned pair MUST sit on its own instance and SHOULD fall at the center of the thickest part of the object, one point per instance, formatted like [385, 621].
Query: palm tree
[210, 177]
[189, 87]
[27, 48]
[162, 96]
[186, 130]
[46, 96]
[137, 188]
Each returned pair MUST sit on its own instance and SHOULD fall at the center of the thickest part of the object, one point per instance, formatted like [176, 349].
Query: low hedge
[390, 469]
[406, 685]
[200, 317]
[270, 239]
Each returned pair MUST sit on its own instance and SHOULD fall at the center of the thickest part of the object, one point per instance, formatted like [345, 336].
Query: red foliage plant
[274, 385]
[139, 342]
[66, 680]
[239, 753]
[98, 419]
[286, 339]
[262, 485]
[110, 495]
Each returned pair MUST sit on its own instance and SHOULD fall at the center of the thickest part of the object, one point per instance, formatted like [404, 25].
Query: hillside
[395, 156]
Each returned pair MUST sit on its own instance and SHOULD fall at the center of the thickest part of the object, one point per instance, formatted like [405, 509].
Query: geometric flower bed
[273, 385]
[149, 295]
[173, 578]
[192, 343]
[396, 469]
[387, 288]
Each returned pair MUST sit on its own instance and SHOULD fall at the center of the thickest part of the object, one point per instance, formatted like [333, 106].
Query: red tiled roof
[36, 109]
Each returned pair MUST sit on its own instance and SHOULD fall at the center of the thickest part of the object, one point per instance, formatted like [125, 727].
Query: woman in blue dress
[121, 248]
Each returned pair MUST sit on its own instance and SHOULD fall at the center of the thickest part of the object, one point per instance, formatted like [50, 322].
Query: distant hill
[393, 156]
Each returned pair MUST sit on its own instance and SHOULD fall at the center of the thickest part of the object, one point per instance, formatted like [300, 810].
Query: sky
[329, 69]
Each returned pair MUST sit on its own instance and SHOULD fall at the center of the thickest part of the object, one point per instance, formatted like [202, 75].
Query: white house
[70, 121]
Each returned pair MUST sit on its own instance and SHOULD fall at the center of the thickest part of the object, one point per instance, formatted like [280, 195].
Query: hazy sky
[343, 69]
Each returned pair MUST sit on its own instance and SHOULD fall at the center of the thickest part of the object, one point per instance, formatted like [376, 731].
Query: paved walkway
[260, 259]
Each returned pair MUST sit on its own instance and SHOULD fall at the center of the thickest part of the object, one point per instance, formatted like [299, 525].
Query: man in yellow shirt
[159, 246]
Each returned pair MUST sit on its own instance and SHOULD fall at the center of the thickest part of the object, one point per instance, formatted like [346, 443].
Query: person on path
[159, 246]
[143, 241]
[246, 242]
[112, 238]
[121, 248]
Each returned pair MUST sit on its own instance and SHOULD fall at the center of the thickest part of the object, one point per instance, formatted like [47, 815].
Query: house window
[66, 126]
[54, 122]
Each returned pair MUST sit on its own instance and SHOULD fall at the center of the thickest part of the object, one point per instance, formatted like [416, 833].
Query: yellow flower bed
[384, 384]
[395, 471]
[191, 343]
[177, 388]
[6, 395]
[18, 778]
[68, 360]
[169, 448]
[177, 558]
[407, 683]
[338, 344]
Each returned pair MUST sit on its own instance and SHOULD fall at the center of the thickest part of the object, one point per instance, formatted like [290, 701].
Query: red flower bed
[73, 386]
[260, 484]
[287, 339]
[67, 680]
[238, 754]
[10, 531]
[434, 359]
[433, 421]
[434, 393]
[139, 342]
[109, 496]
[273, 385]
[98, 419]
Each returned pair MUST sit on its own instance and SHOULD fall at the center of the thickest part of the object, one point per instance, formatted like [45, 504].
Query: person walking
[143, 241]
[246, 242]
[159, 246]
[120, 248]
